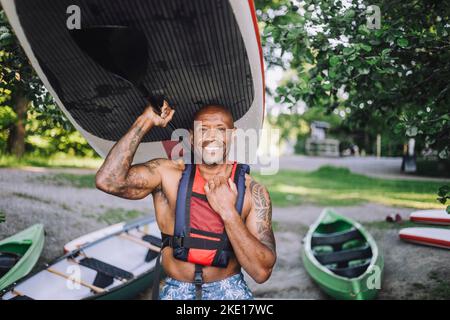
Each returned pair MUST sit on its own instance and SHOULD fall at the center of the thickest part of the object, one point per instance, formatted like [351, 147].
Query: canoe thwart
[344, 256]
[351, 272]
[335, 238]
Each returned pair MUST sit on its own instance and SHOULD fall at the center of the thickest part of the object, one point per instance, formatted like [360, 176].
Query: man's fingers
[216, 180]
[207, 189]
[179, 163]
[211, 184]
[232, 185]
[169, 116]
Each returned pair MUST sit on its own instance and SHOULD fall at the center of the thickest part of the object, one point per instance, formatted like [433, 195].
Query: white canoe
[435, 237]
[430, 217]
[118, 265]
[150, 228]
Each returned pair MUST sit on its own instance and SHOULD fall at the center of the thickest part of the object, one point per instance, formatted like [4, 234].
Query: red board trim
[426, 240]
[436, 220]
[261, 57]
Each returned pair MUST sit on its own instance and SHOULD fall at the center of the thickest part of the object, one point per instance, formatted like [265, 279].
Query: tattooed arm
[117, 176]
[253, 242]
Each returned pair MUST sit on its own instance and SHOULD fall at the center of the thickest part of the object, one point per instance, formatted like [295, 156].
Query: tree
[21, 90]
[394, 78]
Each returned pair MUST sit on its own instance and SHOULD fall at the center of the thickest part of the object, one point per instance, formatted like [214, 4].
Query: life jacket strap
[198, 281]
[192, 242]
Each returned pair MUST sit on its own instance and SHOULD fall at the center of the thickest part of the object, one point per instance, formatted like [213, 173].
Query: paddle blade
[120, 50]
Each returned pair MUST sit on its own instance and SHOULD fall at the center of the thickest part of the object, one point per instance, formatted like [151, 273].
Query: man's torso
[164, 199]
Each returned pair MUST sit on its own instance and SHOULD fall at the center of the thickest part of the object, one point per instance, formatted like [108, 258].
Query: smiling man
[214, 218]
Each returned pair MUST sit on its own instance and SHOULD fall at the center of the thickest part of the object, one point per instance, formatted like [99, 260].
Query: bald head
[215, 111]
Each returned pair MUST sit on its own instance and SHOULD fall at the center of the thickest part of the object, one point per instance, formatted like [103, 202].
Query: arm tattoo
[263, 209]
[115, 171]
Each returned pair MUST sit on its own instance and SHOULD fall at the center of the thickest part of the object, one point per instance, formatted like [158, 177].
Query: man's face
[213, 132]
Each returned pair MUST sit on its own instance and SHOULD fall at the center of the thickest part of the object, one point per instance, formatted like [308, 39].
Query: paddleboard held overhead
[104, 69]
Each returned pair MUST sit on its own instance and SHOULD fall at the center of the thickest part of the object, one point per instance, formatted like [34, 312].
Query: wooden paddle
[17, 293]
[81, 282]
[140, 242]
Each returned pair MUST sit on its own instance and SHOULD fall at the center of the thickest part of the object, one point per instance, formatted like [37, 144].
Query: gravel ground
[32, 196]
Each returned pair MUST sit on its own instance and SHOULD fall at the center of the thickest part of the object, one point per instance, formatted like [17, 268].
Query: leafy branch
[444, 195]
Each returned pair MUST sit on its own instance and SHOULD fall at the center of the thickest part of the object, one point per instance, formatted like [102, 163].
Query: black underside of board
[196, 56]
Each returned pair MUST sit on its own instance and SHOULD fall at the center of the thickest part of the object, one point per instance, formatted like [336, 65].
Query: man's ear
[233, 134]
[191, 136]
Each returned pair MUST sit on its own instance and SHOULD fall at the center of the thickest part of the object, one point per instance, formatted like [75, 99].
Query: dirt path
[28, 197]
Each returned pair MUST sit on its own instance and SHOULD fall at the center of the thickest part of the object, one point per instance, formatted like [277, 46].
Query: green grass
[112, 216]
[56, 161]
[331, 186]
[68, 179]
[2, 216]
[328, 186]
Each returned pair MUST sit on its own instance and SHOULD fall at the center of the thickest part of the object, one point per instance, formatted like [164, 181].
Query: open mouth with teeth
[212, 148]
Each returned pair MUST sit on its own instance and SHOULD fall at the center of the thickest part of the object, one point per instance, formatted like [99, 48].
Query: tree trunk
[16, 138]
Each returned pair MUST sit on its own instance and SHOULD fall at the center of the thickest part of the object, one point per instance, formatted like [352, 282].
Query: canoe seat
[7, 261]
[335, 239]
[351, 272]
[344, 256]
[154, 241]
[106, 268]
[21, 297]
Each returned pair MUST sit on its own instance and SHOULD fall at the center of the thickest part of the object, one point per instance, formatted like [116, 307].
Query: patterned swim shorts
[231, 288]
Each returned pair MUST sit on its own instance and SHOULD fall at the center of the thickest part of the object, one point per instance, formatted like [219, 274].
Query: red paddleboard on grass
[435, 237]
[430, 217]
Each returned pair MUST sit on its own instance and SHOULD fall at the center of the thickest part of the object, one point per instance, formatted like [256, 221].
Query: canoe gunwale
[310, 261]
[35, 234]
[127, 227]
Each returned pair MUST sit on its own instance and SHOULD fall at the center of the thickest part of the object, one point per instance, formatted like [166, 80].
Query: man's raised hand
[159, 120]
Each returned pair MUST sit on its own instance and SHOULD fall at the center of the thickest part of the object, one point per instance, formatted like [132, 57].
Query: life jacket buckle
[198, 277]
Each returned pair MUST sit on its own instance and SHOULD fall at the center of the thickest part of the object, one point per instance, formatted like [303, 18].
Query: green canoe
[342, 257]
[19, 253]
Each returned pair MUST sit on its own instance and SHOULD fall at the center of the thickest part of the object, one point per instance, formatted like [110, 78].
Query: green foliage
[48, 131]
[396, 77]
[46, 136]
[2, 217]
[444, 196]
[16, 74]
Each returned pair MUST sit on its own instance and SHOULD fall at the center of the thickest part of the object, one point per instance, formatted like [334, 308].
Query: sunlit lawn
[338, 186]
[328, 186]
[57, 161]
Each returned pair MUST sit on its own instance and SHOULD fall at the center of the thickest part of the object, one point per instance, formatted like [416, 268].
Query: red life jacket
[199, 236]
